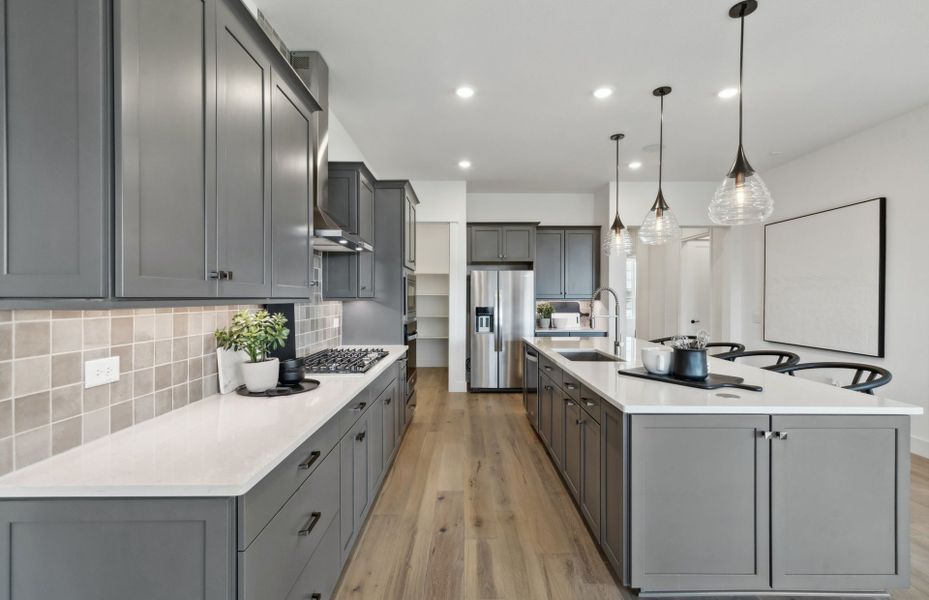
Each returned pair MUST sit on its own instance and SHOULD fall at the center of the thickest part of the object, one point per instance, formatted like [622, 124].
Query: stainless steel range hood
[329, 237]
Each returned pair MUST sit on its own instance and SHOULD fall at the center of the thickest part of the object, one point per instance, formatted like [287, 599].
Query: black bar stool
[726, 346]
[781, 358]
[867, 377]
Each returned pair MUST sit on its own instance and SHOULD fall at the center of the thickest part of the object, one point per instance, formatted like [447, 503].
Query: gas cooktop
[343, 360]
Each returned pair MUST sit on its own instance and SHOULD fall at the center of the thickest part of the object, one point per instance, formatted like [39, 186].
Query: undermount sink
[589, 356]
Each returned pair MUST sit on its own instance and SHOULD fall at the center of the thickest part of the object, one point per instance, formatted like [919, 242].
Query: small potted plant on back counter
[255, 333]
[545, 310]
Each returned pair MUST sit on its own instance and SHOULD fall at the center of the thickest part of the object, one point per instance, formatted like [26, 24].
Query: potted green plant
[545, 310]
[255, 333]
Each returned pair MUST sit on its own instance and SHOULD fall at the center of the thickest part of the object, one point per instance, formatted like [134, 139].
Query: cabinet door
[699, 500]
[581, 263]
[390, 423]
[590, 472]
[54, 147]
[558, 417]
[366, 209]
[613, 528]
[409, 228]
[165, 135]
[839, 502]
[291, 191]
[519, 243]
[486, 244]
[347, 493]
[360, 436]
[365, 274]
[243, 198]
[375, 417]
[546, 398]
[342, 199]
[573, 447]
[340, 275]
[549, 263]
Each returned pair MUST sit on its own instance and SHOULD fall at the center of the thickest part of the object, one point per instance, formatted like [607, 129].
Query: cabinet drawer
[380, 384]
[570, 385]
[257, 506]
[352, 411]
[590, 402]
[317, 582]
[271, 565]
[548, 368]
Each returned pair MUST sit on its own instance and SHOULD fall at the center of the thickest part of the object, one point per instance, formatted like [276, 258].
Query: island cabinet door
[839, 503]
[546, 398]
[559, 404]
[613, 439]
[573, 448]
[699, 502]
[591, 476]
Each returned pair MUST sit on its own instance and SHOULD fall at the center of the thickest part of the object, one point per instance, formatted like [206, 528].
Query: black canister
[292, 371]
[689, 364]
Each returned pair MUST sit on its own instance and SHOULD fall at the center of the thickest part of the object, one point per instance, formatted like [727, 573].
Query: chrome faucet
[617, 345]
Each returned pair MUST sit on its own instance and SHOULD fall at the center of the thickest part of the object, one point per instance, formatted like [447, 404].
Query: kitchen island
[800, 488]
[227, 498]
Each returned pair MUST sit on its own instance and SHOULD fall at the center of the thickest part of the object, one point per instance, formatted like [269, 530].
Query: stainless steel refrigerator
[501, 313]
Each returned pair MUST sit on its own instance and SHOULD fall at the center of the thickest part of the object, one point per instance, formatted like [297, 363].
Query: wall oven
[409, 297]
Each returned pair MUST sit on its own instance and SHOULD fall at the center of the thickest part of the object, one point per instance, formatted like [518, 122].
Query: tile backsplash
[166, 356]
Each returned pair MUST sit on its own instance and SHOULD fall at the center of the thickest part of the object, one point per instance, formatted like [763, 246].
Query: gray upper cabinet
[549, 263]
[165, 135]
[291, 190]
[243, 141]
[501, 243]
[567, 262]
[409, 219]
[688, 536]
[54, 145]
[860, 512]
[351, 204]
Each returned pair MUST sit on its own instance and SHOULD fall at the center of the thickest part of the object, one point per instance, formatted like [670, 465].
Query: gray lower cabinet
[567, 262]
[546, 401]
[839, 503]
[165, 140]
[549, 263]
[500, 243]
[613, 468]
[55, 149]
[559, 406]
[389, 437]
[573, 448]
[114, 549]
[699, 502]
[591, 475]
[375, 419]
[292, 191]
[317, 582]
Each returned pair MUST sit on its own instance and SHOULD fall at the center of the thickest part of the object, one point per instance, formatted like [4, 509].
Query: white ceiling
[815, 72]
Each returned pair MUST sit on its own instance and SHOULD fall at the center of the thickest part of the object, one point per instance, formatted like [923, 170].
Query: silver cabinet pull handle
[547, 368]
[215, 275]
[312, 458]
[782, 435]
[360, 407]
[766, 435]
[569, 403]
[570, 386]
[314, 519]
[589, 403]
[580, 421]
[229, 275]
[548, 387]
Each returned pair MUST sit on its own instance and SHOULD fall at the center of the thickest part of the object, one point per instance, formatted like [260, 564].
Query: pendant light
[660, 225]
[742, 198]
[618, 240]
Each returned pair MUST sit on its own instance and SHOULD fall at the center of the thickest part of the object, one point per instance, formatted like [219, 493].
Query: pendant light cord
[617, 176]
[741, 61]
[660, 143]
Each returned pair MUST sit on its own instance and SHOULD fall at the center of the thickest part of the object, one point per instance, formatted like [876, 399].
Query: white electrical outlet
[101, 371]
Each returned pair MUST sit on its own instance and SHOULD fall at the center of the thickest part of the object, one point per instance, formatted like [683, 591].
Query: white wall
[341, 145]
[891, 160]
[548, 209]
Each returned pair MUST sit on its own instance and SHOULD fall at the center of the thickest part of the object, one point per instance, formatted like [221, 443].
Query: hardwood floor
[474, 510]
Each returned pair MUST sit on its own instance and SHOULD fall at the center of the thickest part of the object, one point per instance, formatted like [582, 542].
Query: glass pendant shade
[618, 240]
[742, 198]
[660, 225]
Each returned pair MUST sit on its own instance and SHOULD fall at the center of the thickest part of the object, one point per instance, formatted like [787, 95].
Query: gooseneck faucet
[617, 345]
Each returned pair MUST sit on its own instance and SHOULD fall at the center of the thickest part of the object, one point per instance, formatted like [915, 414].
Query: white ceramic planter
[262, 376]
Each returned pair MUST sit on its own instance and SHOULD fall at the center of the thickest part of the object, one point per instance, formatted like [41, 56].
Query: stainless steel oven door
[410, 340]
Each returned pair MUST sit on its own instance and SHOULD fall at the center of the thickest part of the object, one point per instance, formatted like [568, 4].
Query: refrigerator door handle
[498, 334]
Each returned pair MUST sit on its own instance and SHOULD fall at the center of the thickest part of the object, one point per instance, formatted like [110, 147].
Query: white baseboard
[458, 386]
[919, 446]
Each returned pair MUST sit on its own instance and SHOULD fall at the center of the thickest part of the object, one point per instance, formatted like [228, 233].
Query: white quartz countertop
[583, 330]
[220, 446]
[782, 394]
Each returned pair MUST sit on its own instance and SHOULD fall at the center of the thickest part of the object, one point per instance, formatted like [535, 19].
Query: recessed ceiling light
[603, 92]
[464, 164]
[727, 93]
[464, 91]
[635, 164]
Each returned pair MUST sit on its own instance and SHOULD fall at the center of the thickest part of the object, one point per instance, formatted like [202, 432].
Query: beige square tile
[143, 382]
[121, 312]
[31, 315]
[164, 326]
[6, 456]
[194, 368]
[6, 342]
[164, 310]
[66, 434]
[96, 333]
[96, 424]
[6, 418]
[143, 311]
[31, 339]
[163, 351]
[143, 355]
[162, 402]
[66, 402]
[209, 322]
[143, 408]
[120, 416]
[179, 349]
[66, 369]
[95, 353]
[194, 346]
[210, 386]
[6, 380]
[179, 372]
[67, 335]
[121, 331]
[6, 316]
[96, 398]
[194, 390]
[32, 446]
[67, 314]
[32, 411]
[143, 328]
[209, 343]
[121, 390]
[125, 357]
[194, 323]
[209, 364]
[163, 377]
[180, 324]
[179, 396]
[96, 314]
[31, 375]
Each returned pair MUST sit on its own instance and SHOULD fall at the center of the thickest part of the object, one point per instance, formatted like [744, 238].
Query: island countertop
[219, 446]
[782, 394]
